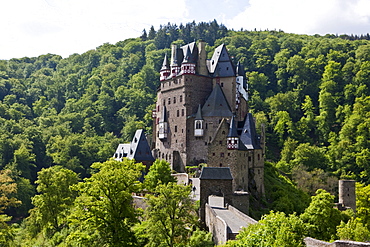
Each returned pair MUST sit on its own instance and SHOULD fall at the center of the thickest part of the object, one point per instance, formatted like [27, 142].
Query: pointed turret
[233, 137]
[249, 135]
[165, 70]
[198, 123]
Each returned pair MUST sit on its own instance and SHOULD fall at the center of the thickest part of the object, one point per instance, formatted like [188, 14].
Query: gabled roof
[165, 64]
[139, 148]
[217, 173]
[121, 151]
[216, 104]
[188, 58]
[249, 135]
[192, 48]
[233, 132]
[198, 115]
[220, 64]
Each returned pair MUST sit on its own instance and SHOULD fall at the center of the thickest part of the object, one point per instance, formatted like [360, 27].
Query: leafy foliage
[170, 216]
[274, 229]
[321, 217]
[159, 173]
[104, 213]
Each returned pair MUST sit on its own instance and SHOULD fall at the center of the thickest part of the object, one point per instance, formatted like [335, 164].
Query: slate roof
[217, 173]
[249, 135]
[198, 115]
[188, 58]
[220, 64]
[165, 64]
[139, 148]
[233, 132]
[122, 151]
[192, 48]
[216, 104]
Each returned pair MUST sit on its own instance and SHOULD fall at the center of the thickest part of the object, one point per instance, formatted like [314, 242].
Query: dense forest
[311, 92]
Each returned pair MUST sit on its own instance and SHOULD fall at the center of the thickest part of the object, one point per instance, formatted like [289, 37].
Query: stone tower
[347, 194]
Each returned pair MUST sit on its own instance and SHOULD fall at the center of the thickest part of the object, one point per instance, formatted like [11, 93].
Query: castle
[202, 116]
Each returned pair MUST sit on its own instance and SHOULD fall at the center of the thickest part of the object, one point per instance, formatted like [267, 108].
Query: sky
[63, 27]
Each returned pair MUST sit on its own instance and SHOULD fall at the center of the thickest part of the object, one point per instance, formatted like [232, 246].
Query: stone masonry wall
[216, 225]
[214, 187]
[311, 242]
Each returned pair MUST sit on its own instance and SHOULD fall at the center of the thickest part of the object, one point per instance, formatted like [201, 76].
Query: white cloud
[35, 27]
[63, 27]
[305, 17]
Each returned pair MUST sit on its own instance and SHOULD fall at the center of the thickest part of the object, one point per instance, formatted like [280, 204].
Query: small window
[249, 159]
[220, 165]
[222, 84]
[178, 113]
[169, 100]
[220, 142]
[213, 154]
[222, 155]
[174, 100]
[180, 98]
[182, 112]
[175, 128]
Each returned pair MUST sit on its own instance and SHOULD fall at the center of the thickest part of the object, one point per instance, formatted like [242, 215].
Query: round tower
[347, 193]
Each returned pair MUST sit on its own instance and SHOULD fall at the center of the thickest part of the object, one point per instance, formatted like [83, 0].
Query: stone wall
[182, 178]
[214, 187]
[242, 215]
[311, 242]
[216, 225]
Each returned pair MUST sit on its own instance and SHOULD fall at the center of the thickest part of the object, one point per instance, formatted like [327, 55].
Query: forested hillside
[311, 92]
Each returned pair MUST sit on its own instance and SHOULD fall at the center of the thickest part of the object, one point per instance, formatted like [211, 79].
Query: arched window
[198, 124]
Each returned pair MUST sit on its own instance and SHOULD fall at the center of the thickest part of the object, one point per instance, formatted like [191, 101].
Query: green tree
[353, 230]
[7, 189]
[321, 217]
[159, 173]
[274, 229]
[103, 213]
[55, 197]
[170, 216]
